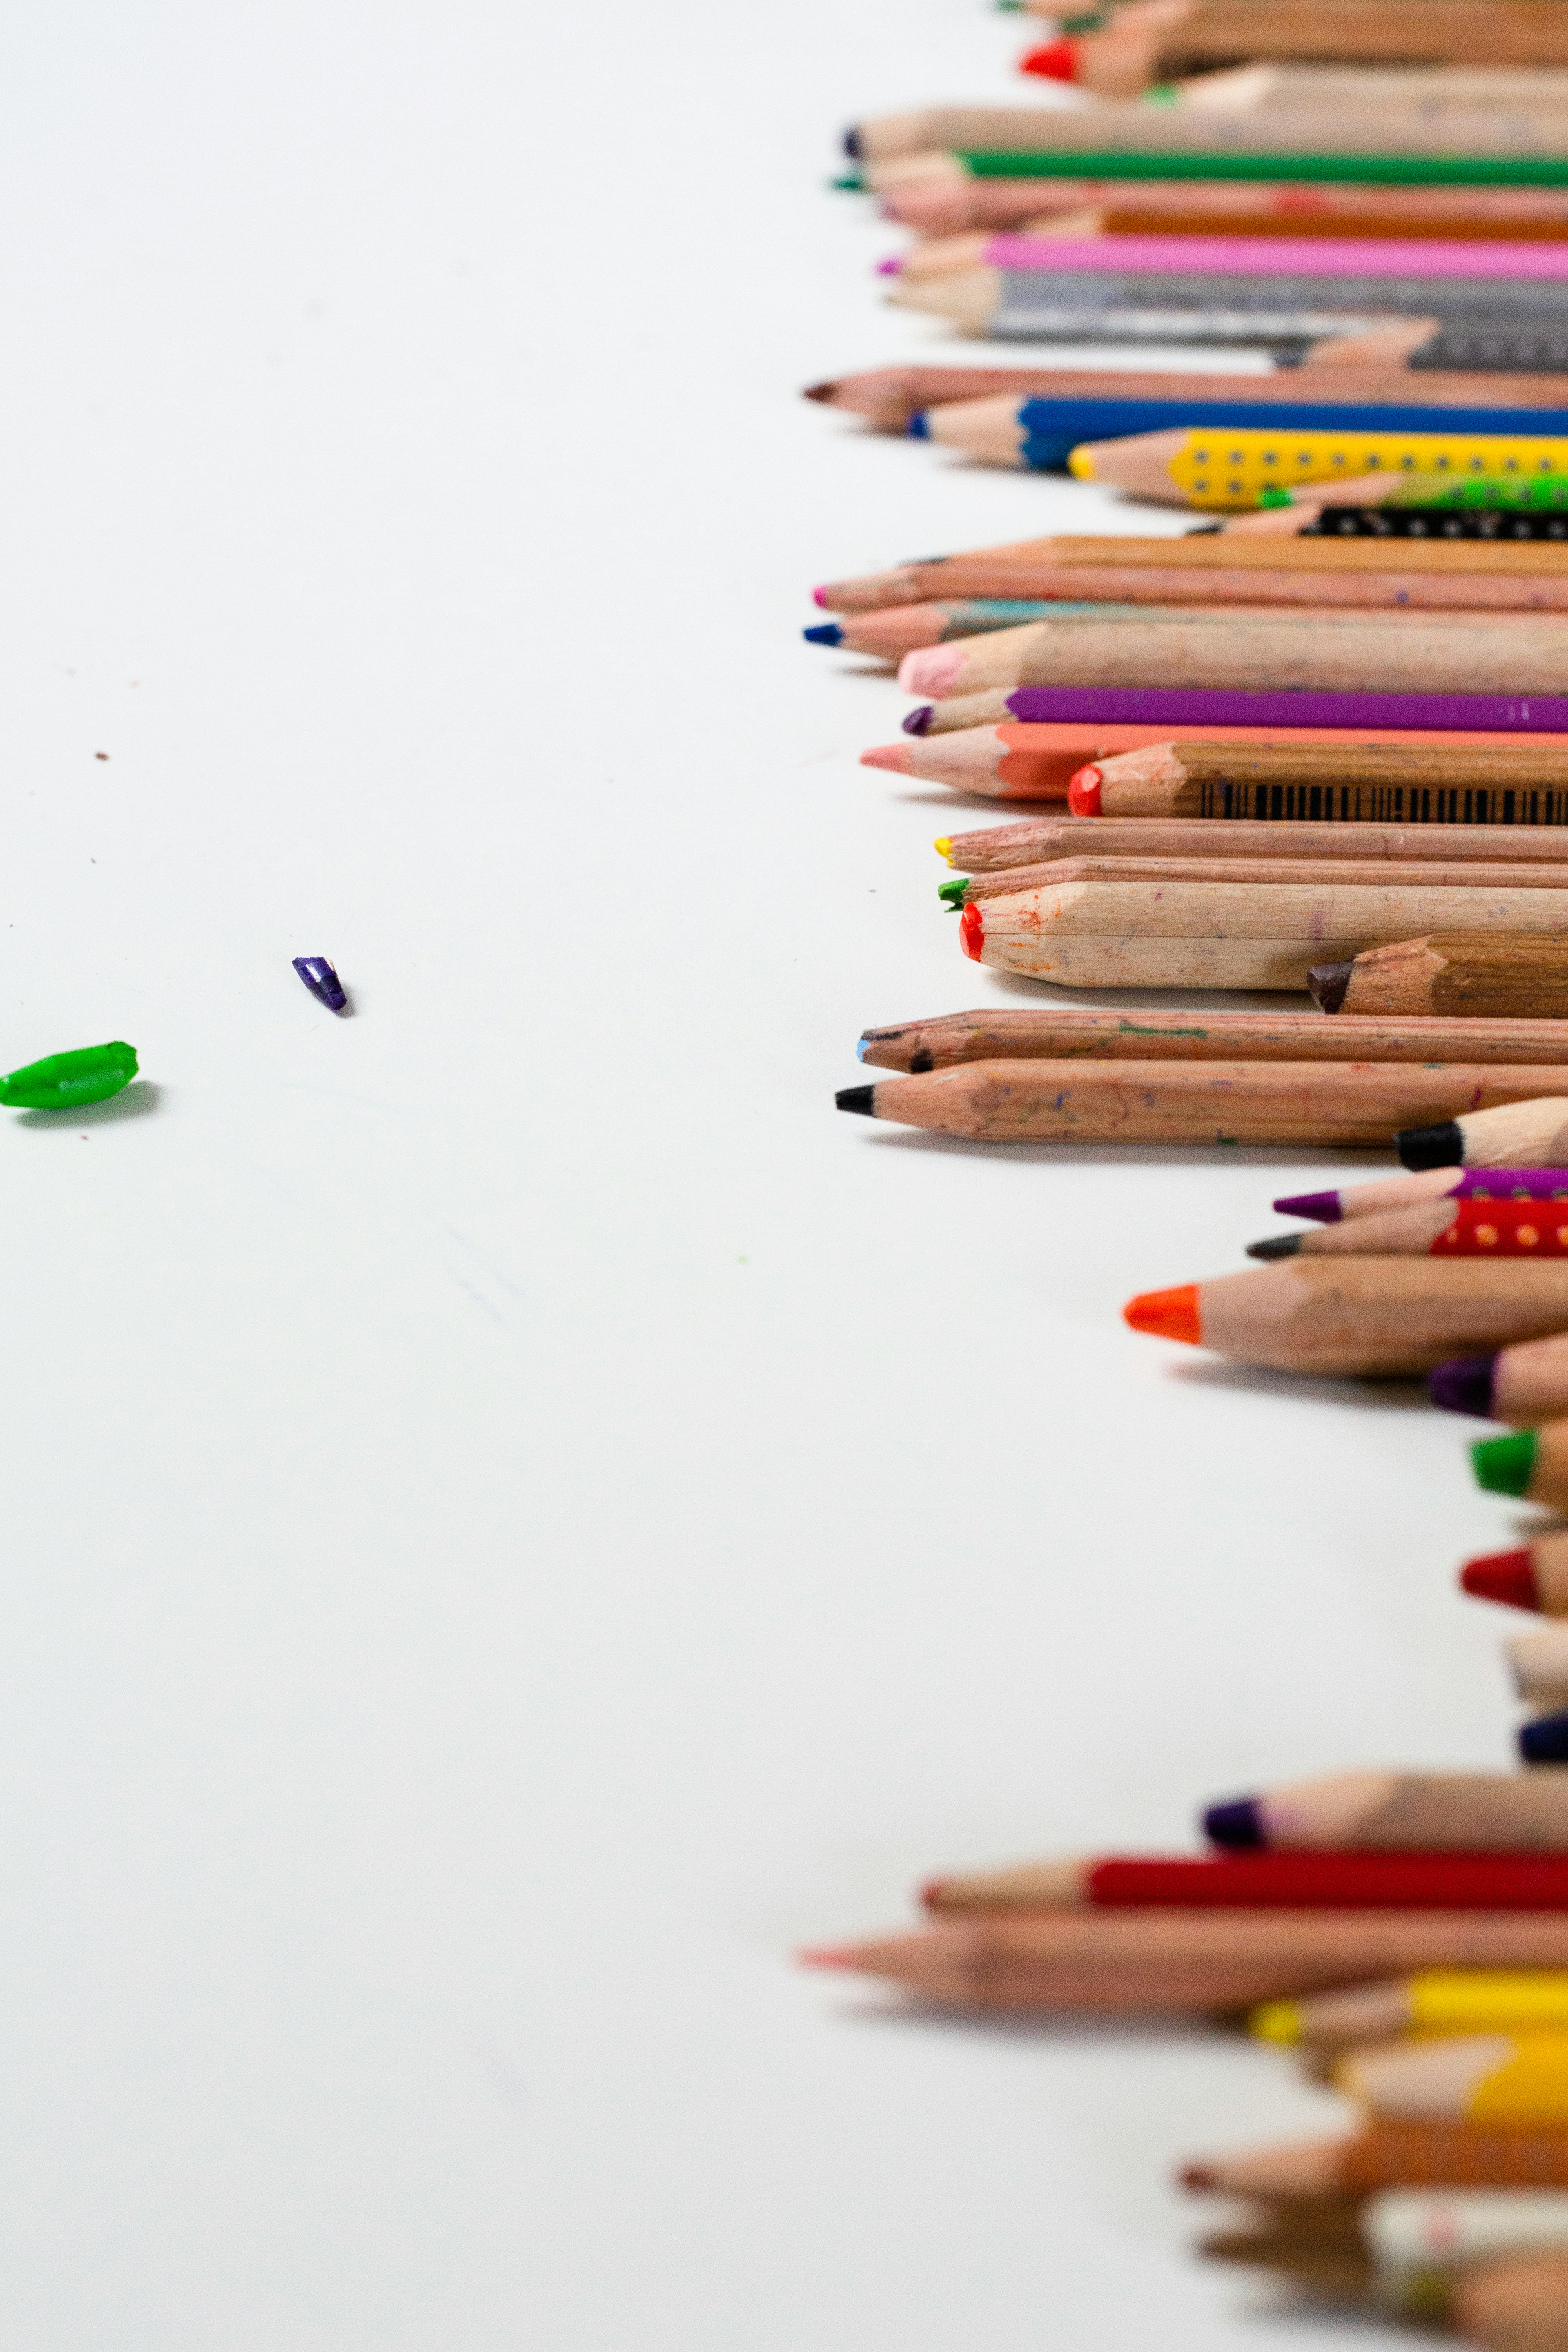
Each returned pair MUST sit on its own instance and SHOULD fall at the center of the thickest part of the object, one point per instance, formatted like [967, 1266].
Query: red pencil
[1302, 1880]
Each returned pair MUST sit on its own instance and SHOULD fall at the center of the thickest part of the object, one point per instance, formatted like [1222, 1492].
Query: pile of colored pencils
[1358, 796]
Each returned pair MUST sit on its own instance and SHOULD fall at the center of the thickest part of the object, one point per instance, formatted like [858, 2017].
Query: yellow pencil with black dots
[1234, 468]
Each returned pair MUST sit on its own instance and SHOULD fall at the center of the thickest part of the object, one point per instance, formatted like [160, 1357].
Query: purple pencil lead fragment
[323, 981]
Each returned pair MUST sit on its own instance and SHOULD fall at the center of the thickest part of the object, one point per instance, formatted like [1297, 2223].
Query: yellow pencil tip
[1080, 464]
[1276, 2021]
[943, 846]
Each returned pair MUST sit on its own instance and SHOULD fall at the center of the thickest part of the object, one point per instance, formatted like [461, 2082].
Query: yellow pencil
[1437, 2001]
[1232, 466]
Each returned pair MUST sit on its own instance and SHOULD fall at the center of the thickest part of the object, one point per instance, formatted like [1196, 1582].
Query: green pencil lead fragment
[951, 893]
[1503, 1465]
[67, 1081]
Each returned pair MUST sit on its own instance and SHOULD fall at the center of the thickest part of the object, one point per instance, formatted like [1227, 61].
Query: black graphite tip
[1277, 1245]
[1326, 984]
[860, 1099]
[1431, 1147]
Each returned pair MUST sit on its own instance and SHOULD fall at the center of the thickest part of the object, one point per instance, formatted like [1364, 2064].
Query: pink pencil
[1290, 256]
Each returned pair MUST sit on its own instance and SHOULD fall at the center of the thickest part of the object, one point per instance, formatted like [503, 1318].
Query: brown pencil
[1514, 2302]
[1361, 652]
[1020, 568]
[1196, 1961]
[1201, 1102]
[1524, 782]
[1218, 934]
[1448, 972]
[1367, 1318]
[1388, 2155]
[950, 1040]
[942, 201]
[1494, 959]
[993, 849]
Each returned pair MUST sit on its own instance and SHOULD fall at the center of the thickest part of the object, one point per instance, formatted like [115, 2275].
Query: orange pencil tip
[887, 755]
[1168, 1313]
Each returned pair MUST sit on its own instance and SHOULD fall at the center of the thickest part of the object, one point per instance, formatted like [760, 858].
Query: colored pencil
[890, 398]
[1234, 468]
[1502, 785]
[1517, 2305]
[1303, 1882]
[1035, 434]
[1410, 2249]
[1436, 1183]
[1032, 567]
[1385, 2153]
[1381, 321]
[1297, 166]
[1448, 972]
[1110, 933]
[1053, 762]
[1436, 2001]
[1196, 1961]
[1266, 653]
[1537, 1662]
[1522, 1135]
[1476, 1812]
[1326, 983]
[1484, 2078]
[1185, 36]
[1209, 1102]
[1469, 119]
[1497, 260]
[1523, 1386]
[901, 629]
[1440, 1229]
[1000, 848]
[1529, 1462]
[1369, 1317]
[937, 197]
[1201, 709]
[1005, 1033]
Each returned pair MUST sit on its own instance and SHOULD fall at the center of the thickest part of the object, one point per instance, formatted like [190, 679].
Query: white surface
[515, 1514]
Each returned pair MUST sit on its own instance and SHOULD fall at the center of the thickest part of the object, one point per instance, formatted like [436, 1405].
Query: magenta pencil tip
[819, 598]
[1323, 1208]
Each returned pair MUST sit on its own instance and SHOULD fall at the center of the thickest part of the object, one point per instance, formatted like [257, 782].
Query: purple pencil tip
[892, 267]
[917, 721]
[1236, 1823]
[323, 981]
[1464, 1384]
[1323, 1208]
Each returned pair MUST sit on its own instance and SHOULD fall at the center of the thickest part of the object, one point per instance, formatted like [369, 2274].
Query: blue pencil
[1039, 433]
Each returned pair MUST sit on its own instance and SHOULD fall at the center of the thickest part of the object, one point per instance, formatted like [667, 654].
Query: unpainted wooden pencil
[1450, 973]
[1008, 1033]
[1240, 781]
[1326, 872]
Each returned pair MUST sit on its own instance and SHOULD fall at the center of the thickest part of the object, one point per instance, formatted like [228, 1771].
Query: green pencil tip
[1503, 1465]
[951, 893]
[850, 182]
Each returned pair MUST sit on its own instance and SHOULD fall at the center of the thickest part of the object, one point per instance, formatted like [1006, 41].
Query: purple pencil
[1428, 1184]
[1199, 706]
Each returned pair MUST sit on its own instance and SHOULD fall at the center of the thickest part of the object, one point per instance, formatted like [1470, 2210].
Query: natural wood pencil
[1491, 959]
[1523, 1387]
[1369, 1317]
[996, 848]
[1251, 780]
[1005, 1034]
[1359, 653]
[1389, 2154]
[1200, 1102]
[1202, 1961]
[1448, 972]
[1515, 2303]
[1125, 934]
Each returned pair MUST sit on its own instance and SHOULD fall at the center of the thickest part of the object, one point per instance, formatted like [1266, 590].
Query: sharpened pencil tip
[942, 845]
[820, 391]
[858, 1098]
[917, 721]
[887, 755]
[1083, 792]
[1546, 1741]
[1167, 1314]
[1505, 1576]
[1442, 1146]
[919, 427]
[971, 931]
[1323, 1208]
[1328, 985]
[1464, 1384]
[890, 268]
[827, 1956]
[1080, 463]
[1237, 1824]
[824, 632]
[951, 893]
[1504, 1466]
[861, 1048]
[1275, 1246]
[852, 144]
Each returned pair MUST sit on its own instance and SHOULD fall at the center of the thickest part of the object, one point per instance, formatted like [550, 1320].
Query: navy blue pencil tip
[852, 145]
[826, 633]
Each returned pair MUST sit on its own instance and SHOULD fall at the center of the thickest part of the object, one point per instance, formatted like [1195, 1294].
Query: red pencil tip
[1505, 1576]
[1168, 1313]
[971, 930]
[827, 1956]
[1083, 792]
[1056, 61]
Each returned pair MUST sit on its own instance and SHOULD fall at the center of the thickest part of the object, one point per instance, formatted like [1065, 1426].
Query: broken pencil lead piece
[66, 1081]
[323, 981]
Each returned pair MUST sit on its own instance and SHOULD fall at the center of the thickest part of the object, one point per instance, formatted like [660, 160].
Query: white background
[515, 1515]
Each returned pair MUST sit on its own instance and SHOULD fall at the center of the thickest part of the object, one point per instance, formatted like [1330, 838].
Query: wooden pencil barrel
[1380, 1318]
[994, 849]
[1006, 1034]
